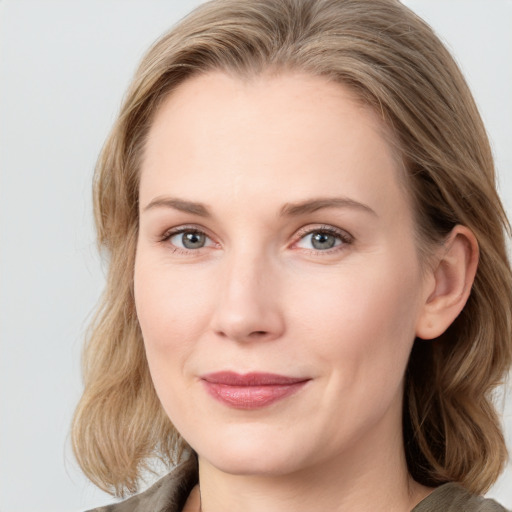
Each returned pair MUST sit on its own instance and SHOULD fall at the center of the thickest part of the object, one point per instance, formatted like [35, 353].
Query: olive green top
[452, 497]
[170, 493]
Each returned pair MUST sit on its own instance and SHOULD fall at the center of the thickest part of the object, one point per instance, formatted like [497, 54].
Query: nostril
[258, 334]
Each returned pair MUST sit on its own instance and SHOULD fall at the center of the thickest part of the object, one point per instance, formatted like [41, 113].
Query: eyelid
[328, 228]
[169, 233]
[345, 237]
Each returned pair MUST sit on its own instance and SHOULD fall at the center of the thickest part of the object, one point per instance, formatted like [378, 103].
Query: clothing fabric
[452, 497]
[170, 493]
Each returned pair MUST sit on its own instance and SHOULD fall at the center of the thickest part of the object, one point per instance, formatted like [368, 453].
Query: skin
[260, 296]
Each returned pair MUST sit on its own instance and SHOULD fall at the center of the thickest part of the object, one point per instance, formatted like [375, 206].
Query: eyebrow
[179, 204]
[312, 205]
[288, 210]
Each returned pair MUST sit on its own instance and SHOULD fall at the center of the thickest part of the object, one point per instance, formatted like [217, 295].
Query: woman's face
[277, 281]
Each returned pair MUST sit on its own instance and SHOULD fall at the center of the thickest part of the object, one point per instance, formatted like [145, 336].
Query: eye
[323, 239]
[188, 239]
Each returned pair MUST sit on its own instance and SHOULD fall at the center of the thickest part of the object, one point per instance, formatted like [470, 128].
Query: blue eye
[323, 239]
[189, 239]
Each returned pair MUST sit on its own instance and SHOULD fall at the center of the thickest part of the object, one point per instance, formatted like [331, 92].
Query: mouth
[251, 390]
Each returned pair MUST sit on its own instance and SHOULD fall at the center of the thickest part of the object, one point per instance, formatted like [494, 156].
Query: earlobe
[452, 278]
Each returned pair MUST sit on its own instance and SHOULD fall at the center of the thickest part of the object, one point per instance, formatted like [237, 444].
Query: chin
[251, 455]
[254, 465]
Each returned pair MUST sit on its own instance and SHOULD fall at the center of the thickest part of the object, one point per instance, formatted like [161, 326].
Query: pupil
[193, 240]
[323, 241]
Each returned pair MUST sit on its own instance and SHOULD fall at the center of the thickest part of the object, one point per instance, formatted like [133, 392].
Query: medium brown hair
[394, 62]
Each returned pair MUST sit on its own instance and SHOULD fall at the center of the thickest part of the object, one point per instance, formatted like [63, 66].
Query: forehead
[298, 134]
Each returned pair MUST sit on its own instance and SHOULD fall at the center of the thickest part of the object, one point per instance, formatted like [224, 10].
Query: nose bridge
[248, 308]
[245, 275]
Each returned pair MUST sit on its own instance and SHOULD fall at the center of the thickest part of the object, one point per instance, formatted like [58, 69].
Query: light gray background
[64, 66]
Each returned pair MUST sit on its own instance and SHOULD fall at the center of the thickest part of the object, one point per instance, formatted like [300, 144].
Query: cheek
[171, 305]
[172, 310]
[362, 317]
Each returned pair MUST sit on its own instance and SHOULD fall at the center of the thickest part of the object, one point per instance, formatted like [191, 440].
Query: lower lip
[251, 397]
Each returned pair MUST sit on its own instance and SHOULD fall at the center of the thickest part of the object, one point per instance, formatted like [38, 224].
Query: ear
[449, 283]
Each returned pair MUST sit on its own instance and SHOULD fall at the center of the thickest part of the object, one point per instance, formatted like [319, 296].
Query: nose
[248, 307]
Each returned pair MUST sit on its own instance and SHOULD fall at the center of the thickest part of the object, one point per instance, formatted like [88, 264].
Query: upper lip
[229, 378]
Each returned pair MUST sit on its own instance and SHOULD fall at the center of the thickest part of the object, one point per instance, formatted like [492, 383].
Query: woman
[308, 304]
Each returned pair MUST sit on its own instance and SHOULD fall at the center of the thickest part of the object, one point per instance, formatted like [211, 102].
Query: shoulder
[452, 497]
[167, 495]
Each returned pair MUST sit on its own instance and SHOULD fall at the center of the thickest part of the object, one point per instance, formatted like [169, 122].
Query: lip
[251, 390]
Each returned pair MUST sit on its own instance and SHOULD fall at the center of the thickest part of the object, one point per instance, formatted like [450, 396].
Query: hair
[393, 62]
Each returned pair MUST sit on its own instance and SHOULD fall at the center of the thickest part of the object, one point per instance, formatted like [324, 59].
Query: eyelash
[344, 237]
[177, 231]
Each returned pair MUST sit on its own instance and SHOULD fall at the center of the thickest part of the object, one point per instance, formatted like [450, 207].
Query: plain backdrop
[64, 66]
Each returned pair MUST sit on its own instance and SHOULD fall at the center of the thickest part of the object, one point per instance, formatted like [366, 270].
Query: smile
[251, 390]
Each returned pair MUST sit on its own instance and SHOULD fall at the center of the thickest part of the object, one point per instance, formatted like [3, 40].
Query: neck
[366, 478]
